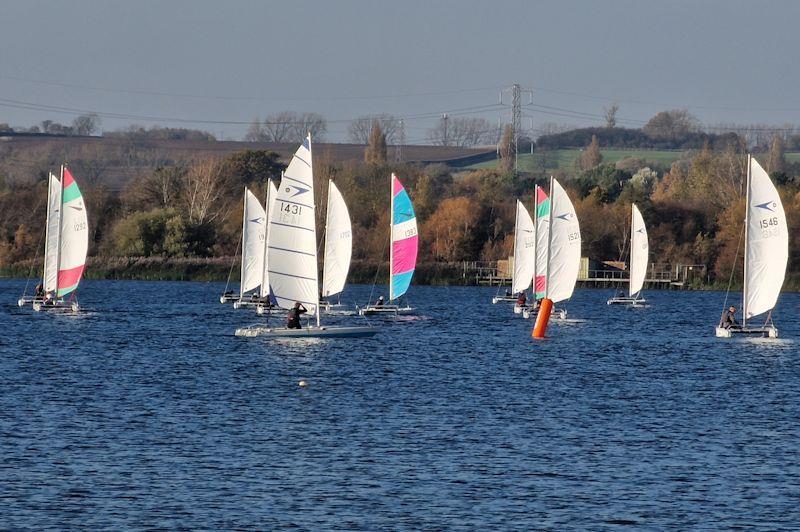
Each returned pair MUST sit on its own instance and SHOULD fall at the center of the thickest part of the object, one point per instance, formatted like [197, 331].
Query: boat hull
[58, 306]
[308, 332]
[629, 301]
[503, 299]
[384, 310]
[559, 314]
[759, 332]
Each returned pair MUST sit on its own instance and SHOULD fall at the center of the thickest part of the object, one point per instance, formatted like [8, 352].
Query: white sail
[50, 275]
[272, 193]
[253, 238]
[293, 236]
[524, 250]
[564, 253]
[767, 251]
[640, 251]
[338, 243]
[74, 242]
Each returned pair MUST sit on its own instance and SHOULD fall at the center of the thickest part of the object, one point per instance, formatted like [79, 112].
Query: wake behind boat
[766, 254]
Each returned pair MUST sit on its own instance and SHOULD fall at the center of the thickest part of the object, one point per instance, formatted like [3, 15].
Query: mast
[630, 255]
[549, 239]
[391, 233]
[60, 221]
[514, 244]
[313, 202]
[325, 249]
[264, 276]
[244, 244]
[47, 232]
[746, 243]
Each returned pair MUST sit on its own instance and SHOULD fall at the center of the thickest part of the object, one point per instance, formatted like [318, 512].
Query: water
[145, 411]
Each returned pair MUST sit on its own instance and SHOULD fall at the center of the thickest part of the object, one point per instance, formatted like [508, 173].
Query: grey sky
[230, 61]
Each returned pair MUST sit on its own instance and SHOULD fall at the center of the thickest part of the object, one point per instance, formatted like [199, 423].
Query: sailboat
[524, 252]
[766, 253]
[293, 269]
[51, 239]
[254, 221]
[266, 304]
[338, 247]
[639, 253]
[402, 252]
[63, 275]
[563, 250]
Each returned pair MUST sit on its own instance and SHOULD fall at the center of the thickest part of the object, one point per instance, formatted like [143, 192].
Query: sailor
[522, 299]
[729, 319]
[536, 304]
[379, 302]
[38, 292]
[293, 317]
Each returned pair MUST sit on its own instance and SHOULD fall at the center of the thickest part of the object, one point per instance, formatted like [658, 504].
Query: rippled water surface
[146, 411]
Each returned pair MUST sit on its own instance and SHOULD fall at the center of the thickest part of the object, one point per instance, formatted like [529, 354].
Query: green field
[563, 159]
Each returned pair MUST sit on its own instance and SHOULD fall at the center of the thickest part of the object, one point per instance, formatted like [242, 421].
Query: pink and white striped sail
[74, 243]
[403, 258]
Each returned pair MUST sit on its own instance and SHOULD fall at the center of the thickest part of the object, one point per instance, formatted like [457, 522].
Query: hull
[559, 314]
[630, 301]
[28, 300]
[263, 309]
[384, 310]
[56, 306]
[759, 332]
[330, 306]
[308, 332]
[503, 299]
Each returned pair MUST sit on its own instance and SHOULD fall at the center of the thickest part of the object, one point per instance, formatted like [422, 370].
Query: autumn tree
[507, 150]
[611, 116]
[776, 161]
[671, 125]
[376, 149]
[591, 156]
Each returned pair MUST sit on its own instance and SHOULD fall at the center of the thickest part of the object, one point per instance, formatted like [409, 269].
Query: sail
[639, 251]
[565, 245]
[74, 243]
[767, 243]
[293, 236]
[51, 231]
[272, 193]
[542, 235]
[524, 250]
[253, 237]
[338, 243]
[403, 258]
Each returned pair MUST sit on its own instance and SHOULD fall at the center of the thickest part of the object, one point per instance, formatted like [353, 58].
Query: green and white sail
[74, 231]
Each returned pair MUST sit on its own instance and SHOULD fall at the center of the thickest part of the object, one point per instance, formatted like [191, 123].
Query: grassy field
[563, 159]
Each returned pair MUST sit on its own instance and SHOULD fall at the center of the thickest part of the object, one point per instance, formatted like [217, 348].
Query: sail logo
[768, 205]
[259, 220]
[566, 216]
[640, 230]
[298, 190]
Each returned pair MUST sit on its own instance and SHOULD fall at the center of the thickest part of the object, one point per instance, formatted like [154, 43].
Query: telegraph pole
[445, 140]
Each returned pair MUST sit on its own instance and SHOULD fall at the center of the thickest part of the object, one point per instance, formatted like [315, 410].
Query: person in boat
[508, 293]
[38, 292]
[729, 319]
[379, 302]
[522, 299]
[293, 317]
[536, 304]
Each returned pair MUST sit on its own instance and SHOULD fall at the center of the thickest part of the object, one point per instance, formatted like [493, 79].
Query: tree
[278, 127]
[86, 124]
[250, 167]
[591, 156]
[611, 116]
[202, 188]
[256, 133]
[306, 123]
[507, 150]
[671, 125]
[777, 161]
[462, 132]
[376, 149]
[359, 130]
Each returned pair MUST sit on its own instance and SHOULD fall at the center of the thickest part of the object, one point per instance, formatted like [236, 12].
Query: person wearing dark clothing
[729, 319]
[38, 293]
[293, 317]
[522, 299]
[379, 302]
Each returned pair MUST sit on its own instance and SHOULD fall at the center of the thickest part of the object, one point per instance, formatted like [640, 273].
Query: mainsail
[293, 235]
[564, 252]
[524, 250]
[50, 275]
[767, 243]
[74, 231]
[639, 251]
[272, 193]
[404, 241]
[542, 223]
[338, 243]
[253, 225]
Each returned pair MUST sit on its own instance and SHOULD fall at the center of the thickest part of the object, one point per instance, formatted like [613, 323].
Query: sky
[217, 65]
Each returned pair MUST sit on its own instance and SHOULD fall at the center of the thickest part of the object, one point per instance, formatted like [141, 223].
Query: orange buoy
[542, 318]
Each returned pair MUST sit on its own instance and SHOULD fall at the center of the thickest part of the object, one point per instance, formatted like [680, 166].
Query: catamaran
[65, 255]
[254, 221]
[51, 239]
[524, 252]
[766, 253]
[563, 250]
[638, 270]
[338, 248]
[402, 254]
[293, 269]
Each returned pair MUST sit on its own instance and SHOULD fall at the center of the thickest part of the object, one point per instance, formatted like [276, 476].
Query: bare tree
[463, 132]
[376, 149]
[611, 116]
[256, 133]
[86, 124]
[202, 188]
[279, 127]
[306, 123]
[359, 130]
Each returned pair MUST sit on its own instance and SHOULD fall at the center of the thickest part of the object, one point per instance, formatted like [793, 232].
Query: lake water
[146, 411]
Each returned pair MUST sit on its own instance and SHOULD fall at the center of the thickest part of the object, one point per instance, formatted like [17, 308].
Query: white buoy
[302, 384]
